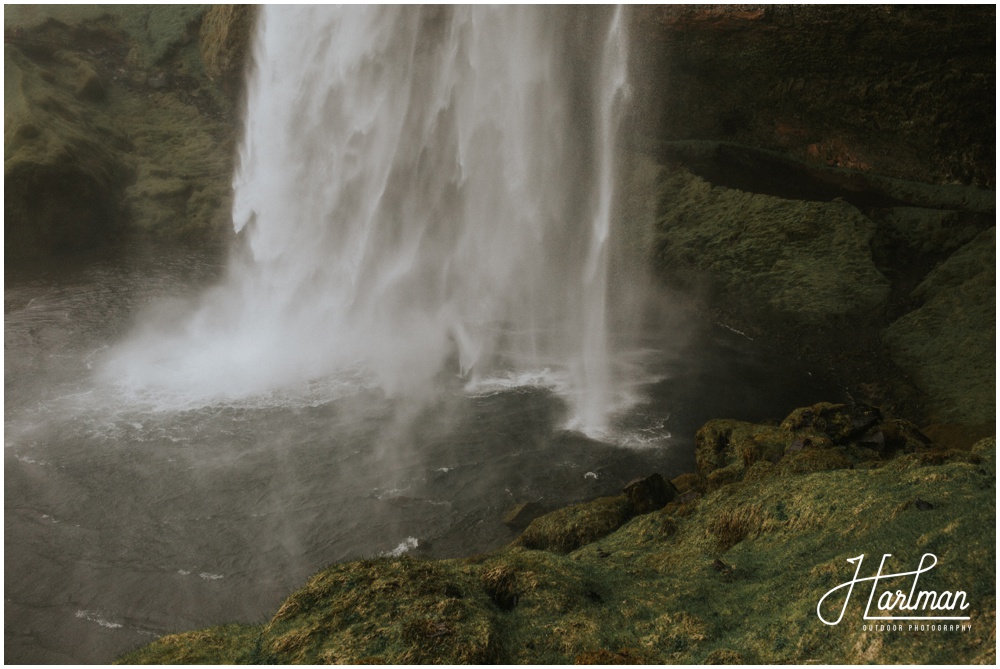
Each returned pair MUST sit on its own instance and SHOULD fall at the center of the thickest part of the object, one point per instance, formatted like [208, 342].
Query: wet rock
[649, 493]
[521, 515]
[869, 95]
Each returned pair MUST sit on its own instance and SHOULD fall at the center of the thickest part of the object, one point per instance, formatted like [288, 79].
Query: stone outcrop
[948, 344]
[225, 39]
[805, 261]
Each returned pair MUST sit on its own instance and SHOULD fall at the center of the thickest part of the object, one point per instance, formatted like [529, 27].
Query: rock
[948, 344]
[522, 514]
[87, 156]
[808, 262]
[733, 445]
[567, 529]
[649, 493]
[90, 85]
[922, 235]
[840, 422]
[686, 482]
[821, 437]
[650, 592]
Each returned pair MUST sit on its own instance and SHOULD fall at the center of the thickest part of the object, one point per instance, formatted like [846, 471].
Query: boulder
[807, 262]
[567, 529]
[948, 343]
[840, 422]
[649, 493]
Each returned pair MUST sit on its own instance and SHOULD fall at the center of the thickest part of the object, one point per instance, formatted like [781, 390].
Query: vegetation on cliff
[112, 125]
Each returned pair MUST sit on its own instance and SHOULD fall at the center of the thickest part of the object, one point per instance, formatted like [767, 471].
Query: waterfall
[420, 190]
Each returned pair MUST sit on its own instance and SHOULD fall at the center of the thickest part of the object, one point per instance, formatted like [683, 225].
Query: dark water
[123, 523]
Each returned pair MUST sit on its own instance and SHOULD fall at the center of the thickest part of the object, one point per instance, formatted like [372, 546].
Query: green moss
[948, 343]
[387, 611]
[227, 644]
[98, 142]
[568, 529]
[226, 37]
[807, 261]
[64, 175]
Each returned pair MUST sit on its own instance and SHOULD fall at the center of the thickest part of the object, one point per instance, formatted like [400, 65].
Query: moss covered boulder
[948, 343]
[808, 262]
[821, 437]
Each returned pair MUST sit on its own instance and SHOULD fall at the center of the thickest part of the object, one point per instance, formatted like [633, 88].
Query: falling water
[420, 190]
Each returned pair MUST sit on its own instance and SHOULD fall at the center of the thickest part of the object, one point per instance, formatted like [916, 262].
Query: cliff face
[112, 124]
[906, 92]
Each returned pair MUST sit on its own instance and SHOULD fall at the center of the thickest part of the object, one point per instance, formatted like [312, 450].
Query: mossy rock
[809, 262]
[839, 422]
[736, 445]
[103, 138]
[821, 437]
[388, 610]
[918, 235]
[567, 529]
[948, 345]
[226, 38]
[226, 644]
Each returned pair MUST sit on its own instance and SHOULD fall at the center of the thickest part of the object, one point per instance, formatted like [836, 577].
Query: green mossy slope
[731, 574]
[112, 124]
